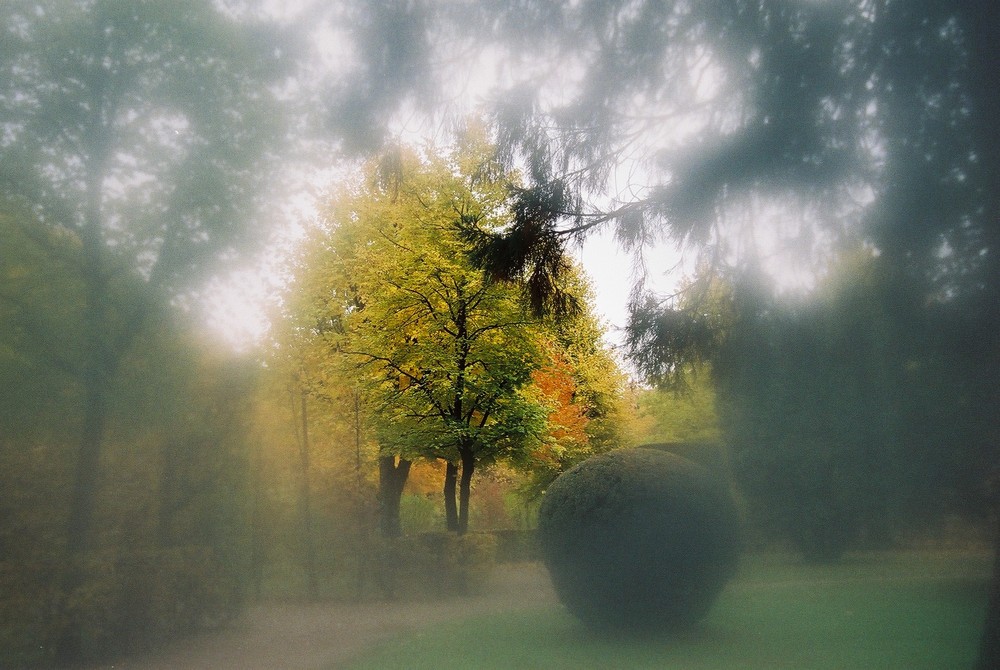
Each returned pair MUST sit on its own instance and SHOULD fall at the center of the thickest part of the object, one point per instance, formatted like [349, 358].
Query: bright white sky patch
[239, 305]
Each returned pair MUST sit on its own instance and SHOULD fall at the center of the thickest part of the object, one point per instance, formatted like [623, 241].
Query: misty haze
[455, 334]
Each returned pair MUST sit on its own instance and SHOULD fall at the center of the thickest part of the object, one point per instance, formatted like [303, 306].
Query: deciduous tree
[136, 130]
[444, 354]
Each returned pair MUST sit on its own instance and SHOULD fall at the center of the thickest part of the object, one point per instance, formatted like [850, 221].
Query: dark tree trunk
[450, 503]
[465, 490]
[981, 20]
[69, 646]
[98, 370]
[87, 470]
[989, 645]
[101, 359]
[392, 479]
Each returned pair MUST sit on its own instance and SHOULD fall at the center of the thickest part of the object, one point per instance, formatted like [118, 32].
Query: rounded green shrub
[638, 539]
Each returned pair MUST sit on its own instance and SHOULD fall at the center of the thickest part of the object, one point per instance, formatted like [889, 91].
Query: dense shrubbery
[638, 539]
[429, 565]
[128, 601]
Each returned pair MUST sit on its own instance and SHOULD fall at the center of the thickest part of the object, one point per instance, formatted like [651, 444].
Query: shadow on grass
[909, 613]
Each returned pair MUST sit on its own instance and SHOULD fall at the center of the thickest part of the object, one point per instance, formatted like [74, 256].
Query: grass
[906, 611]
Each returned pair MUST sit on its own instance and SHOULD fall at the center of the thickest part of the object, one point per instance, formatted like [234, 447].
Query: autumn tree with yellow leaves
[452, 365]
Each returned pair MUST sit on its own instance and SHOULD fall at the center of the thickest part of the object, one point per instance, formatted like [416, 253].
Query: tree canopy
[444, 355]
[868, 119]
[141, 127]
[453, 364]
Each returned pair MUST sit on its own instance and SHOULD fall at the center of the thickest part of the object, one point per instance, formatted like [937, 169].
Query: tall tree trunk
[256, 519]
[392, 479]
[465, 489]
[981, 20]
[454, 512]
[450, 503]
[305, 500]
[360, 520]
[100, 362]
[69, 646]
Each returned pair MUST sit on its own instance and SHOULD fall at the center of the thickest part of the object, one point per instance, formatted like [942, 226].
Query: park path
[289, 636]
[327, 635]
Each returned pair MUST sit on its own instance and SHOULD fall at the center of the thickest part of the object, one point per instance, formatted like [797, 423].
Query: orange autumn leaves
[567, 416]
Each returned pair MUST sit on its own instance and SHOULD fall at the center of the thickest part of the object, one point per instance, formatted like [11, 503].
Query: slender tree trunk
[465, 490]
[392, 479]
[359, 503]
[454, 512]
[305, 500]
[256, 519]
[450, 503]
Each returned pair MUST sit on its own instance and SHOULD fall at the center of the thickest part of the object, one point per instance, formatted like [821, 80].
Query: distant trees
[685, 414]
[313, 477]
[812, 395]
[133, 135]
[848, 418]
[170, 527]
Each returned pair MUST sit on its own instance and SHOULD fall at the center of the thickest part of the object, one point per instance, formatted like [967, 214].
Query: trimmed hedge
[639, 539]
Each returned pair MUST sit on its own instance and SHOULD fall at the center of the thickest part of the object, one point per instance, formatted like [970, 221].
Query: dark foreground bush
[638, 539]
[130, 601]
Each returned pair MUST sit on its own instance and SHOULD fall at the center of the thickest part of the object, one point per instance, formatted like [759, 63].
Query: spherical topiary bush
[638, 539]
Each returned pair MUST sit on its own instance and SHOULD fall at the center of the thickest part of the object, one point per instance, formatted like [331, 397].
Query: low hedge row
[428, 565]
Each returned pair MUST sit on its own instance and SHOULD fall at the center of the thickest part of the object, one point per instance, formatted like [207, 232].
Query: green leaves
[443, 352]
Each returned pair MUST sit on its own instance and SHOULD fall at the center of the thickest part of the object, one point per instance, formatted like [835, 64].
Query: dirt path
[294, 637]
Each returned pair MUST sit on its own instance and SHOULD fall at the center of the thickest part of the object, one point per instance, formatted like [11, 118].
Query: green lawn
[906, 611]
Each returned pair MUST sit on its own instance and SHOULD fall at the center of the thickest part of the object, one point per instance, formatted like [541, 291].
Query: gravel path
[326, 635]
